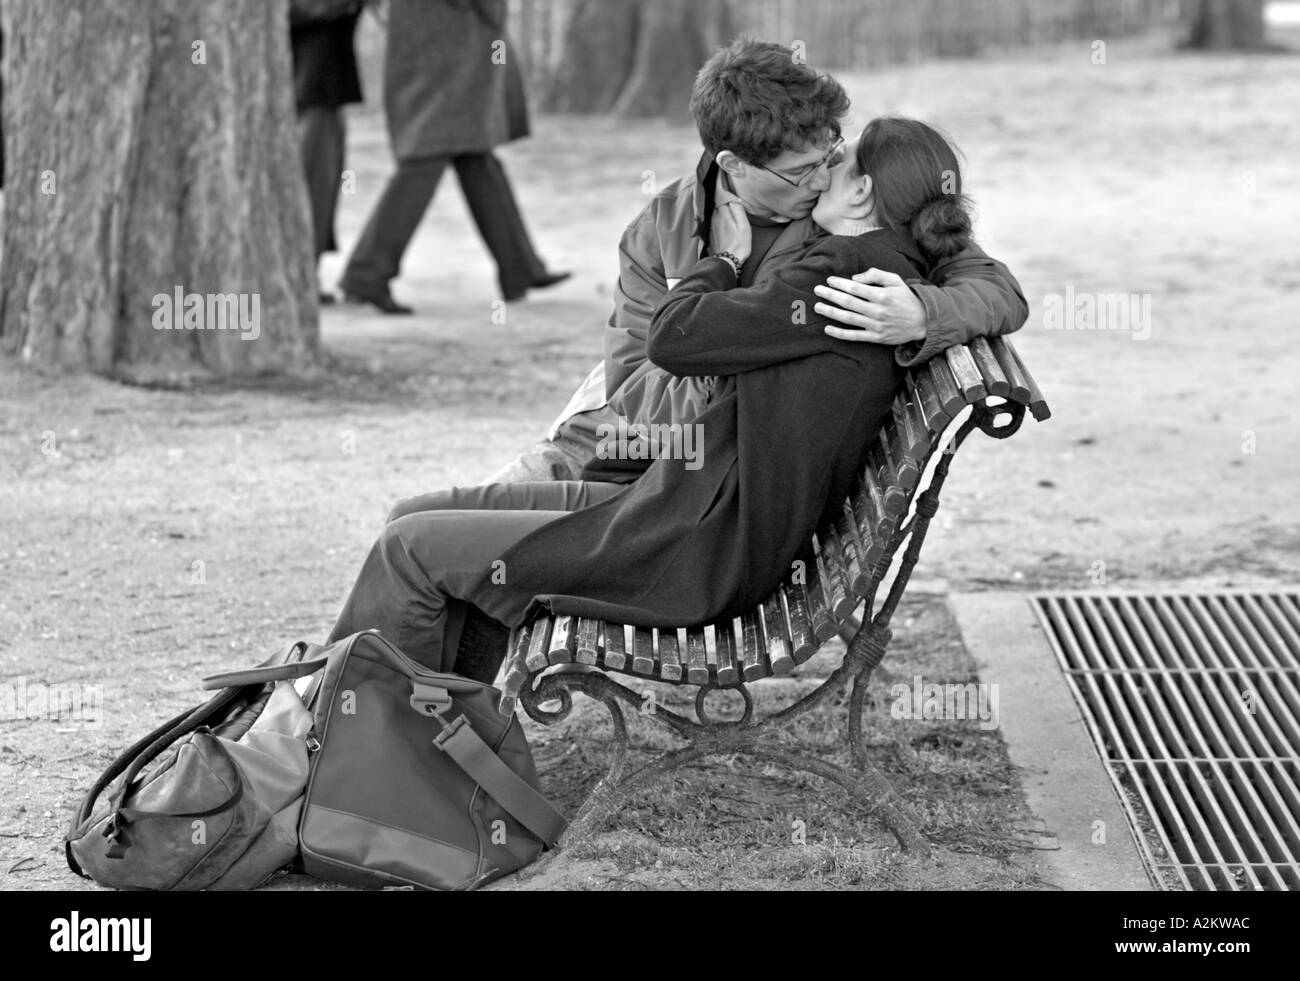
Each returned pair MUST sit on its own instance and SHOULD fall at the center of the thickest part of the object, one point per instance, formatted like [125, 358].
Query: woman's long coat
[780, 446]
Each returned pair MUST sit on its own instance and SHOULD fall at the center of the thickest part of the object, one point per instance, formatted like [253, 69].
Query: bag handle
[459, 741]
[205, 713]
[263, 674]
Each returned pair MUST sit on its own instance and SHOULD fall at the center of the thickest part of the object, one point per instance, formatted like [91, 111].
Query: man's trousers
[432, 568]
[377, 258]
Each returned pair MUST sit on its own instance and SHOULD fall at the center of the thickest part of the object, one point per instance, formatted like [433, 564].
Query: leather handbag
[208, 800]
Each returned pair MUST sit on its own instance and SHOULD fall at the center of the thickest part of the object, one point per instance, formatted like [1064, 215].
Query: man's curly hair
[753, 99]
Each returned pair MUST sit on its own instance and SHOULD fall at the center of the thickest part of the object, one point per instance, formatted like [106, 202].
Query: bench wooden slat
[799, 623]
[880, 465]
[855, 567]
[670, 655]
[539, 644]
[950, 397]
[697, 656]
[724, 632]
[894, 481]
[966, 373]
[866, 512]
[588, 641]
[780, 650]
[886, 509]
[643, 650]
[516, 671]
[615, 646]
[562, 640]
[823, 623]
[1016, 377]
[895, 468]
[1037, 404]
[832, 570]
[898, 454]
[926, 396]
[995, 379]
[752, 653]
[910, 425]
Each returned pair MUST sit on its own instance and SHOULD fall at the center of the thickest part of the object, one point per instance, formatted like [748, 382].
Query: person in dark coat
[452, 92]
[707, 536]
[324, 80]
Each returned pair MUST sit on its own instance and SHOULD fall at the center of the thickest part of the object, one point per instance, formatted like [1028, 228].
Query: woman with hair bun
[913, 182]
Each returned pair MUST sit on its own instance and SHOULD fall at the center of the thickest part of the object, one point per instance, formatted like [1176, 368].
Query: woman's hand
[729, 231]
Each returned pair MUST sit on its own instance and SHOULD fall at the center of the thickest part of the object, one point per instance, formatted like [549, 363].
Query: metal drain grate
[1193, 700]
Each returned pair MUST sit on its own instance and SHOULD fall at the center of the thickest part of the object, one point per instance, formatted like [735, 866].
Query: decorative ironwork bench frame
[846, 564]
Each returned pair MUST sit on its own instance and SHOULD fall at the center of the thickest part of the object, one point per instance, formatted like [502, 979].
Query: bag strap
[459, 741]
[259, 676]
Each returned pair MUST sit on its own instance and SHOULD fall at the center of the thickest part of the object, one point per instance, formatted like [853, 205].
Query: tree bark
[634, 58]
[152, 154]
[1228, 25]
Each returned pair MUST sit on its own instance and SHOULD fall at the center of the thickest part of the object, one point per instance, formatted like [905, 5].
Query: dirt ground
[150, 537]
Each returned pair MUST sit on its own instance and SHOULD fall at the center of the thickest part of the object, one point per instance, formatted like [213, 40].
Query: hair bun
[942, 227]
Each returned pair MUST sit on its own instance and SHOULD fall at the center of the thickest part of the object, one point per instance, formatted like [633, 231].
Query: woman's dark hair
[916, 181]
[755, 98]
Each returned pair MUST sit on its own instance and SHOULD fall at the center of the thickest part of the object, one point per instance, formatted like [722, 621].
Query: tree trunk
[152, 158]
[635, 58]
[1228, 25]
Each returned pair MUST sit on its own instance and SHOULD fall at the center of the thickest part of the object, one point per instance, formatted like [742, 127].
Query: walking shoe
[540, 283]
[384, 302]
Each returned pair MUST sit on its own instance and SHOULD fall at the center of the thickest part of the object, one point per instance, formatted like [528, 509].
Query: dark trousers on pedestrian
[377, 257]
[321, 139]
[429, 576]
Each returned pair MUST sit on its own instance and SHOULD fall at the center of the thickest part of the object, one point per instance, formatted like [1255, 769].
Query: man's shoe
[540, 283]
[384, 302]
[549, 279]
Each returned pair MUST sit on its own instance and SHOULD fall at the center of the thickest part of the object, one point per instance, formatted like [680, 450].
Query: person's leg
[377, 257]
[479, 641]
[320, 139]
[492, 202]
[563, 455]
[423, 560]
[553, 495]
[548, 459]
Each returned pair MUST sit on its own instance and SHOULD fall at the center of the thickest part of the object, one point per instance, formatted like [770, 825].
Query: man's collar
[707, 162]
[706, 172]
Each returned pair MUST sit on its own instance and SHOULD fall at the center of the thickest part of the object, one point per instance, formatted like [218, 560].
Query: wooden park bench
[844, 567]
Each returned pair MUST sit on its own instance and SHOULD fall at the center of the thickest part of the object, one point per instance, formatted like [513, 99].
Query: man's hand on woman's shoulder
[877, 307]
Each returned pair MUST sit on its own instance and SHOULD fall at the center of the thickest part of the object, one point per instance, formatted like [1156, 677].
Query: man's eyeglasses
[836, 148]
